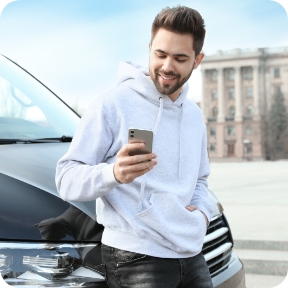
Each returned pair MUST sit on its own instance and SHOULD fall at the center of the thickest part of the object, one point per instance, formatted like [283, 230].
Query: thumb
[191, 208]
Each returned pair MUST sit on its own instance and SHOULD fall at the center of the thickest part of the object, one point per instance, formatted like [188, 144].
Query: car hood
[35, 164]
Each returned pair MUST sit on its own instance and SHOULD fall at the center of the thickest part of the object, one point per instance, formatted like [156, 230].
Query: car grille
[218, 243]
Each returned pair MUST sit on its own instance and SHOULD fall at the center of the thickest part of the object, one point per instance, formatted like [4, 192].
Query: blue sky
[74, 46]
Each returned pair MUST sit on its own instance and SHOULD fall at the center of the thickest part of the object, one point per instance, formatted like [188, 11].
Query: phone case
[141, 135]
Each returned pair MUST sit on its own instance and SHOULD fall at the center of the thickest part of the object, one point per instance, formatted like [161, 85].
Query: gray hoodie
[148, 215]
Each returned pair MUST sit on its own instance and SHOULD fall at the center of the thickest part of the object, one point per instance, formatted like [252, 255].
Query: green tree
[277, 124]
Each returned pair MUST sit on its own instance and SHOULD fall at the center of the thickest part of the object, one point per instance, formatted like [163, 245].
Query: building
[238, 88]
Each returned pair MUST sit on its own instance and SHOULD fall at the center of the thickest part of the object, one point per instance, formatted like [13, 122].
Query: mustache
[165, 73]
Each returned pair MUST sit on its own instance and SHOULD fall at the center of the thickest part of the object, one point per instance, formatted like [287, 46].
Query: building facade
[238, 88]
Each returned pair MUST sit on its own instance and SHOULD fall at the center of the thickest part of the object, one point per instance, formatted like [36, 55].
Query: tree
[277, 124]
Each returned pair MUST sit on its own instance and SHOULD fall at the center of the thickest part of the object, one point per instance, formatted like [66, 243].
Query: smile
[167, 78]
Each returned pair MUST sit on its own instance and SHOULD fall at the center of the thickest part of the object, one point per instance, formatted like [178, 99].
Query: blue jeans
[128, 269]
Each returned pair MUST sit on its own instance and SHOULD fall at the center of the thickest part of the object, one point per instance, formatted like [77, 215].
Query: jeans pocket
[123, 257]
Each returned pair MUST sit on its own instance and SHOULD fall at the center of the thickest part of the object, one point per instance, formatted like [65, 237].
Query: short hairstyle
[182, 20]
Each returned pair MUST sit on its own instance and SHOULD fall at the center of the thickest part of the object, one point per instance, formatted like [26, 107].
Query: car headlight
[50, 265]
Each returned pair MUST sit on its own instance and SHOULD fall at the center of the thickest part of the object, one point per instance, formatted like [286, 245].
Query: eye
[180, 60]
[161, 56]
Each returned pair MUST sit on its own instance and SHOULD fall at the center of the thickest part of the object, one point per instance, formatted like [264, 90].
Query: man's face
[171, 61]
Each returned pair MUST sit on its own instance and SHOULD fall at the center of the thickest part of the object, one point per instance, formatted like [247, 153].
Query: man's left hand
[192, 208]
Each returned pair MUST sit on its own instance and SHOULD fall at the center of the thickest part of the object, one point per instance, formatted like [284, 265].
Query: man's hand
[127, 168]
[192, 208]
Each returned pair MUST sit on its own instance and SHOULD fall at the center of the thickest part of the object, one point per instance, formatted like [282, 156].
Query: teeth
[165, 78]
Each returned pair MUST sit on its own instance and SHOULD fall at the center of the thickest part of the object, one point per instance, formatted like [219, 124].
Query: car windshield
[28, 110]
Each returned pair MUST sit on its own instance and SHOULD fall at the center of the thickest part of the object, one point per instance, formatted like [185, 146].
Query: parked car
[45, 241]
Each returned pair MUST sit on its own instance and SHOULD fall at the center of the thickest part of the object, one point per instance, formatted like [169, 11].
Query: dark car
[45, 241]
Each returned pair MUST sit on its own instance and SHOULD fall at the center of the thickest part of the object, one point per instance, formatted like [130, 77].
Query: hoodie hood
[131, 75]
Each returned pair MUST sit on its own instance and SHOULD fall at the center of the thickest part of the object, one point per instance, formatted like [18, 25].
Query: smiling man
[155, 213]
[172, 60]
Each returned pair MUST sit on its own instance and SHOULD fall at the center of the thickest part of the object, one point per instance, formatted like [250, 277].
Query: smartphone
[141, 136]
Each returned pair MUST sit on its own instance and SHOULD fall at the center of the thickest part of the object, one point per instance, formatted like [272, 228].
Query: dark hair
[182, 20]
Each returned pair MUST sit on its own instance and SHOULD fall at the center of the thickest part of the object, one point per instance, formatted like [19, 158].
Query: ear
[198, 60]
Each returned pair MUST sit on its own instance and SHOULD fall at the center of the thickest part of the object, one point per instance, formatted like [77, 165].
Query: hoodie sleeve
[82, 174]
[200, 197]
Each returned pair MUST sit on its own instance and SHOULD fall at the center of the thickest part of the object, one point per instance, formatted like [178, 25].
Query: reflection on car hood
[35, 164]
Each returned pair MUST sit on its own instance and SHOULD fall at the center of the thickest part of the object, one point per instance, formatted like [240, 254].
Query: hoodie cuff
[109, 178]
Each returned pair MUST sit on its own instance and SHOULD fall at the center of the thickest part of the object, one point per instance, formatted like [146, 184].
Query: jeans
[128, 269]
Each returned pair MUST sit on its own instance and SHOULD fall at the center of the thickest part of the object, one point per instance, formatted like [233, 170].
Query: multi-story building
[238, 88]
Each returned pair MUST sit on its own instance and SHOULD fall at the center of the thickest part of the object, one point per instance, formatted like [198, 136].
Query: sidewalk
[255, 200]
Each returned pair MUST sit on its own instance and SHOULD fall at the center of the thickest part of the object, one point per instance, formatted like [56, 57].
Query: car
[45, 241]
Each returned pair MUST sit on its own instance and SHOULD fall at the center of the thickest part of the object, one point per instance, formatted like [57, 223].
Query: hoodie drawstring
[180, 150]
[141, 196]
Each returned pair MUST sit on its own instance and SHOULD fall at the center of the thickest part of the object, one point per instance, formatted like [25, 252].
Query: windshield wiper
[33, 141]
[64, 138]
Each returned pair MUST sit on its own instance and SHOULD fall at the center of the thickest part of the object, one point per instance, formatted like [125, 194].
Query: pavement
[255, 200]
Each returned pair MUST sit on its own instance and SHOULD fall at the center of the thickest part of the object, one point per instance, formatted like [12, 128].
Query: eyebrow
[176, 55]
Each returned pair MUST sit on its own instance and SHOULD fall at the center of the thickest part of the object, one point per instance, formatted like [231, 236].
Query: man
[155, 213]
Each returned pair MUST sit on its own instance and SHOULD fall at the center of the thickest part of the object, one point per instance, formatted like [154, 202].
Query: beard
[168, 89]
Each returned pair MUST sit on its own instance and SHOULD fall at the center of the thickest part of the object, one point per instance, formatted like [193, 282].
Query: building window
[249, 92]
[214, 76]
[232, 111]
[231, 93]
[230, 74]
[249, 148]
[248, 130]
[214, 112]
[212, 147]
[230, 130]
[250, 110]
[279, 149]
[277, 72]
[212, 131]
[214, 94]
[277, 89]
[248, 74]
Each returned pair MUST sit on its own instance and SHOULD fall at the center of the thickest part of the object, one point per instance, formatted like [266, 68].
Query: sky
[74, 46]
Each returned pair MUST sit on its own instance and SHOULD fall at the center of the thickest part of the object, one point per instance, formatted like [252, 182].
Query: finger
[131, 160]
[130, 147]
[127, 178]
[129, 169]
[140, 158]
[134, 175]
[141, 166]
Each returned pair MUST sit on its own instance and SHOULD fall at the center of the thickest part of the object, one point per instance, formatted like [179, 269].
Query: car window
[28, 110]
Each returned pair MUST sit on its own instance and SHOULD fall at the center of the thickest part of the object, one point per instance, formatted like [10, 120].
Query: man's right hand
[127, 167]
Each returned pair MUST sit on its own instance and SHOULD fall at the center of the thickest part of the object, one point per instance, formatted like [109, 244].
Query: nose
[168, 65]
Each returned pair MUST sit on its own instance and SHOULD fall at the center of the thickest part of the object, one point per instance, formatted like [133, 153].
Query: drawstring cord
[180, 150]
[141, 196]
[159, 116]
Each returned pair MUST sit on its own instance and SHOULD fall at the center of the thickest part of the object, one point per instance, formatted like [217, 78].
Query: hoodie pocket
[170, 224]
